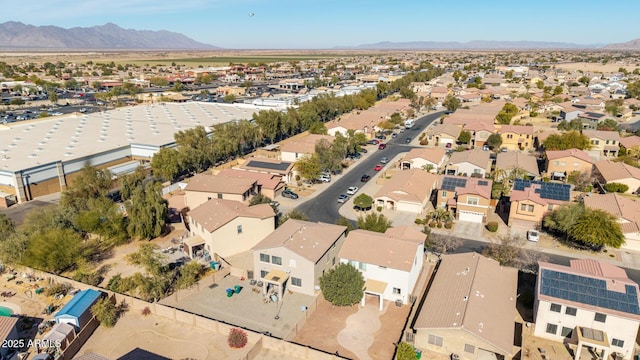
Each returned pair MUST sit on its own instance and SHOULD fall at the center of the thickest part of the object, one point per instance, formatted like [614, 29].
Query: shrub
[492, 226]
[616, 187]
[57, 289]
[237, 338]
[105, 311]
[439, 225]
[342, 285]
[419, 221]
[448, 225]
[432, 224]
[379, 208]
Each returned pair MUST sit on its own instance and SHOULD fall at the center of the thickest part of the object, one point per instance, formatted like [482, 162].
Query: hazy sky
[328, 23]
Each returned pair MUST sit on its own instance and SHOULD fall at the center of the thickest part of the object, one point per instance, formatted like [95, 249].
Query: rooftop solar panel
[547, 190]
[451, 183]
[588, 291]
[283, 166]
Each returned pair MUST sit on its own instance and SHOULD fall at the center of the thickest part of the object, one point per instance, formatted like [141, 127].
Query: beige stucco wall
[453, 342]
[535, 216]
[482, 207]
[571, 164]
[512, 144]
[197, 198]
[226, 241]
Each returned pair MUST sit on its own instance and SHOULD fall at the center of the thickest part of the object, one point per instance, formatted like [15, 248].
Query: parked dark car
[381, 137]
[365, 178]
[382, 146]
[407, 140]
[361, 208]
[289, 194]
[373, 142]
[363, 150]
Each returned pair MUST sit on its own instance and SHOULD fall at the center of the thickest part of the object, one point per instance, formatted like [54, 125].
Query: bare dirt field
[597, 67]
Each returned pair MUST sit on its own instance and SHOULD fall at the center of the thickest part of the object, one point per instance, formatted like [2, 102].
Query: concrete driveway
[467, 230]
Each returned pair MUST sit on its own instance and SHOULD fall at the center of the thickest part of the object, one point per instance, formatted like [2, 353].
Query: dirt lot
[330, 320]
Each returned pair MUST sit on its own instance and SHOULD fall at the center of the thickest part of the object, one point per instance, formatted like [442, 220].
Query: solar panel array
[267, 165]
[451, 183]
[548, 190]
[590, 291]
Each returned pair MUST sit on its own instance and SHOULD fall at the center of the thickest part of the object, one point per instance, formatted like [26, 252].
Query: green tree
[129, 182]
[596, 229]
[342, 285]
[195, 148]
[229, 98]
[405, 352]
[6, 226]
[54, 250]
[452, 103]
[318, 128]
[106, 312]
[149, 258]
[146, 211]
[616, 187]
[508, 251]
[363, 201]
[608, 125]
[568, 140]
[507, 113]
[494, 141]
[573, 125]
[464, 137]
[90, 183]
[189, 274]
[309, 167]
[374, 222]
[562, 219]
[293, 214]
[166, 164]
[53, 97]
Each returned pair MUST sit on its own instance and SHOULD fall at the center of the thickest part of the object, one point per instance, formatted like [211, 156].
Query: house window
[219, 196]
[362, 266]
[265, 258]
[276, 260]
[469, 348]
[239, 229]
[556, 163]
[263, 273]
[600, 317]
[566, 332]
[523, 207]
[550, 207]
[292, 263]
[571, 311]
[296, 281]
[444, 193]
[397, 291]
[575, 164]
[509, 136]
[552, 329]
[435, 340]
[563, 163]
[607, 143]
[556, 307]
[595, 142]
[617, 342]
[472, 200]
[530, 208]
[352, 263]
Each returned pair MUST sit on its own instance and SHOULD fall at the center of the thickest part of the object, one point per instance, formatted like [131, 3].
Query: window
[556, 308]
[435, 340]
[550, 207]
[469, 348]
[444, 193]
[552, 329]
[617, 342]
[397, 291]
[571, 311]
[523, 207]
[292, 263]
[477, 171]
[595, 142]
[575, 164]
[352, 263]
[296, 281]
[530, 208]
[472, 200]
[362, 266]
[563, 163]
[607, 143]
[566, 332]
[600, 317]
[219, 196]
[265, 258]
[263, 273]
[509, 136]
[239, 228]
[276, 260]
[556, 163]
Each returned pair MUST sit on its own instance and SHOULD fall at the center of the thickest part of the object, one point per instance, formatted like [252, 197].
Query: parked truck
[409, 124]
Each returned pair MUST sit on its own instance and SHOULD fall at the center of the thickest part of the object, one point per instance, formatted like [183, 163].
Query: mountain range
[16, 35]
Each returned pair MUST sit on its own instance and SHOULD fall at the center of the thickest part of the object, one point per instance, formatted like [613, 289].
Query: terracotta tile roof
[478, 125]
[449, 129]
[307, 239]
[630, 141]
[600, 134]
[474, 187]
[380, 249]
[578, 154]
[266, 181]
[612, 171]
[622, 207]
[215, 213]
[515, 159]
[413, 185]
[7, 323]
[304, 144]
[205, 182]
[474, 294]
[433, 155]
[476, 157]
[516, 129]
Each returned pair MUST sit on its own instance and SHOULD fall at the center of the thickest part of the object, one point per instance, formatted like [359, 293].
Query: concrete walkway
[357, 336]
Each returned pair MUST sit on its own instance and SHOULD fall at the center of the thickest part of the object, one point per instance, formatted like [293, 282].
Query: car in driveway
[289, 194]
[365, 178]
[384, 160]
[381, 137]
[533, 235]
[382, 146]
[342, 198]
[373, 142]
[363, 150]
[361, 208]
[325, 178]
[394, 135]
[352, 190]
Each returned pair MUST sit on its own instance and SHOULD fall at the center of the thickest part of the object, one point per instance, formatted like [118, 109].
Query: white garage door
[470, 216]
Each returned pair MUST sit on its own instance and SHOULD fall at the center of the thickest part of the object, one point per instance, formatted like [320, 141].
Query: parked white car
[352, 190]
[533, 235]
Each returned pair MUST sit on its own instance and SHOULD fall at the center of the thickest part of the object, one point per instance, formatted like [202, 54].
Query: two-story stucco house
[227, 227]
[517, 137]
[204, 187]
[589, 304]
[297, 253]
[604, 144]
[475, 162]
[469, 199]
[302, 146]
[561, 163]
[390, 263]
[532, 200]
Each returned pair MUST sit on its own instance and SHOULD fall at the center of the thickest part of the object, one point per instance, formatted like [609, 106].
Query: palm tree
[441, 215]
[428, 167]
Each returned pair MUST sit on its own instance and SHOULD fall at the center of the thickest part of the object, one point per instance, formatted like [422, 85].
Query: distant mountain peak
[110, 36]
[629, 45]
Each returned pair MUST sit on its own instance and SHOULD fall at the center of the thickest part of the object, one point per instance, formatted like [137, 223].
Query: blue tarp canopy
[78, 307]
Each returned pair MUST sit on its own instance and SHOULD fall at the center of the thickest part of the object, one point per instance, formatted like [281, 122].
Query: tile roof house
[390, 262]
[561, 163]
[301, 146]
[227, 227]
[588, 303]
[606, 171]
[480, 131]
[510, 160]
[517, 137]
[421, 158]
[467, 198]
[470, 309]
[8, 332]
[408, 190]
[296, 254]
[532, 200]
[443, 135]
[475, 162]
[269, 185]
[269, 166]
[603, 143]
[631, 145]
[625, 209]
[203, 187]
[360, 121]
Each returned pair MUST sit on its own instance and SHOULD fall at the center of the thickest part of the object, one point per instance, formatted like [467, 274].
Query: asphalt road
[324, 207]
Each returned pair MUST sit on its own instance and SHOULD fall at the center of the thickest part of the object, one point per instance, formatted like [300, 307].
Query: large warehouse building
[40, 157]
